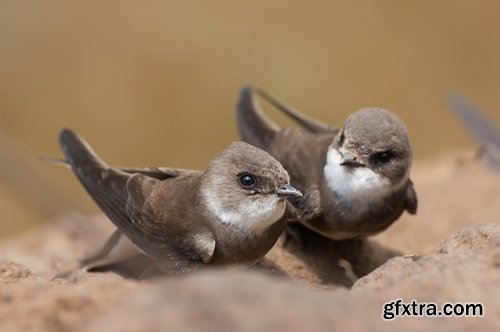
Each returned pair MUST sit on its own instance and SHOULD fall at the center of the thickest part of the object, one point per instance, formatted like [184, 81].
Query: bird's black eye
[247, 180]
[384, 157]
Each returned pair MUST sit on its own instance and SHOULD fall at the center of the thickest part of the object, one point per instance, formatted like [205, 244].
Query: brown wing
[480, 127]
[303, 155]
[308, 123]
[411, 202]
[160, 173]
[254, 126]
[257, 129]
[124, 198]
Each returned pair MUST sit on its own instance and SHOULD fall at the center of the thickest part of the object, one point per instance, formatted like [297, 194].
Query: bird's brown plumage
[163, 212]
[303, 152]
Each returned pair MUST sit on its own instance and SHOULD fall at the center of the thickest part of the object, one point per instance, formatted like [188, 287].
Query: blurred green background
[155, 82]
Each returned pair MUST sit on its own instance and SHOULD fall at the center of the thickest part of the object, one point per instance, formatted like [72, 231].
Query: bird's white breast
[254, 213]
[359, 186]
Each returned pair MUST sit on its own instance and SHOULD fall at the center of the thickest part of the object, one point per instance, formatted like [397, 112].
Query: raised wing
[308, 123]
[124, 197]
[254, 126]
[160, 173]
[257, 129]
[482, 129]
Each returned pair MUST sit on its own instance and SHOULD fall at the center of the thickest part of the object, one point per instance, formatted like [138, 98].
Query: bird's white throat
[254, 214]
[356, 185]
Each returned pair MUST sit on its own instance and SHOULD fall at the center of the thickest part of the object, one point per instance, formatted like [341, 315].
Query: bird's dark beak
[288, 190]
[349, 159]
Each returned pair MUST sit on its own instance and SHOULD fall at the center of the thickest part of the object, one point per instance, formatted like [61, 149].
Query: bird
[183, 220]
[355, 178]
[484, 131]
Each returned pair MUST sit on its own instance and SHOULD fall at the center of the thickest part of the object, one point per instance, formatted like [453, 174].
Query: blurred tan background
[155, 82]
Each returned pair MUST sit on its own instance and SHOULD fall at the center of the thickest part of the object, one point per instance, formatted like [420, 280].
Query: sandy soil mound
[450, 252]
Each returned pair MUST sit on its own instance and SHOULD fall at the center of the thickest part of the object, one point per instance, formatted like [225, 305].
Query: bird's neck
[355, 186]
[252, 214]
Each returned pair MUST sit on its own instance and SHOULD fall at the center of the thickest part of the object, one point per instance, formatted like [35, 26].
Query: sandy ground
[449, 252]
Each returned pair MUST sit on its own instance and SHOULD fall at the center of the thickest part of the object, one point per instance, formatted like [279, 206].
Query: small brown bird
[184, 219]
[355, 179]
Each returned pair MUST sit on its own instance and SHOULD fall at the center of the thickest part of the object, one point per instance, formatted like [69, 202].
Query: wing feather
[123, 195]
